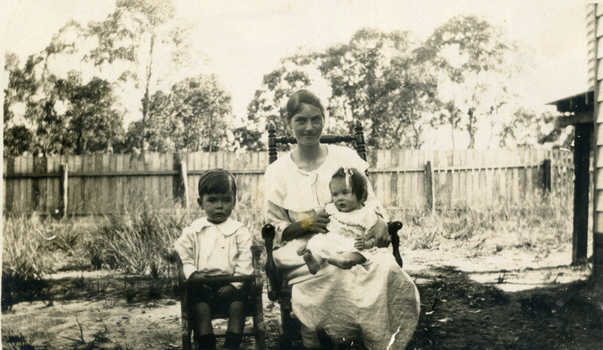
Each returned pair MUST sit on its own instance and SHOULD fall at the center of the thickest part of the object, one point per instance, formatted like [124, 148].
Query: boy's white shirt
[214, 250]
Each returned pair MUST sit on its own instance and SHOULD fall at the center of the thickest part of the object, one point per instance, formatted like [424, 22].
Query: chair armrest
[274, 278]
[393, 227]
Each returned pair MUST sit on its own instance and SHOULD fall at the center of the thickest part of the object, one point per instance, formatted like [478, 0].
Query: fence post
[546, 175]
[429, 190]
[63, 190]
[184, 179]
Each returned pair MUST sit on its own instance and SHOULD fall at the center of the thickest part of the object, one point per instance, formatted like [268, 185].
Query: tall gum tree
[473, 58]
[146, 39]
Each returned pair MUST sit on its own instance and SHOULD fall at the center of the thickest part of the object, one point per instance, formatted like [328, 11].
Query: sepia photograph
[283, 174]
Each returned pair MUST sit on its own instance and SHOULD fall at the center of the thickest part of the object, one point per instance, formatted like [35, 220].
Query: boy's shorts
[210, 294]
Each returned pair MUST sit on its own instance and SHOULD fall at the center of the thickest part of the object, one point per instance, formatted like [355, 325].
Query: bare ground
[509, 299]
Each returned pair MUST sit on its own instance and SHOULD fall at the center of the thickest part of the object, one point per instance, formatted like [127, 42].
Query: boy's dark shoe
[232, 341]
[206, 341]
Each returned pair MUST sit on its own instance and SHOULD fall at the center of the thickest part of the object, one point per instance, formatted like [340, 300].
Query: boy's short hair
[217, 181]
[358, 182]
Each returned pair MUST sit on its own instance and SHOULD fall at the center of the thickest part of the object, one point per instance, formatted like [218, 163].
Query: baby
[344, 245]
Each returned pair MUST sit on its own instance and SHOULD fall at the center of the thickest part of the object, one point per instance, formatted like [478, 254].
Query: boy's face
[342, 196]
[217, 206]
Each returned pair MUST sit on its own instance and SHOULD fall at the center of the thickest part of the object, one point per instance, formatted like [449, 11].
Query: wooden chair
[254, 304]
[278, 289]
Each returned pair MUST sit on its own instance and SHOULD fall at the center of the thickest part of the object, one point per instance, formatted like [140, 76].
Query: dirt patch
[512, 299]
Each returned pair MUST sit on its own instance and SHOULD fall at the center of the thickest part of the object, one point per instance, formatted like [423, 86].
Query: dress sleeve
[243, 265]
[278, 217]
[184, 246]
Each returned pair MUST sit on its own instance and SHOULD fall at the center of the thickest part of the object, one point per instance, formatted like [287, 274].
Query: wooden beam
[577, 118]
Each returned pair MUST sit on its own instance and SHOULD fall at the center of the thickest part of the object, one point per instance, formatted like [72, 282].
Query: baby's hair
[357, 182]
[217, 181]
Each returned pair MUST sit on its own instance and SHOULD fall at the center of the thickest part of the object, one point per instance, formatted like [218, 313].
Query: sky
[243, 40]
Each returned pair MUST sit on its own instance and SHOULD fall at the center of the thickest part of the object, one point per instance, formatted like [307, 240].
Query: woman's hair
[357, 182]
[298, 98]
[217, 181]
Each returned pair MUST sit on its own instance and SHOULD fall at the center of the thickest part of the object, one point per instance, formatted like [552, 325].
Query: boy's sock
[233, 340]
[207, 341]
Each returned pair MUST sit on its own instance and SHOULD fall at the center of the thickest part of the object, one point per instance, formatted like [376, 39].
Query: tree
[527, 129]
[143, 35]
[361, 90]
[375, 78]
[59, 115]
[193, 117]
[268, 104]
[472, 56]
[94, 124]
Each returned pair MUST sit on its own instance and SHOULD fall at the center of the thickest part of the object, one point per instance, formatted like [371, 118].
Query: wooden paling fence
[405, 179]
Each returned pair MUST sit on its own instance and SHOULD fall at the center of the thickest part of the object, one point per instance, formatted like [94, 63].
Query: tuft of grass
[26, 260]
[542, 223]
[138, 242]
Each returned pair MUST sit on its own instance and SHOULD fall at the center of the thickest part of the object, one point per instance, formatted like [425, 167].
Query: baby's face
[342, 196]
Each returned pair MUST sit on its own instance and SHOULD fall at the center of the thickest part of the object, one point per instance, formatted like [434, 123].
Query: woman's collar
[328, 150]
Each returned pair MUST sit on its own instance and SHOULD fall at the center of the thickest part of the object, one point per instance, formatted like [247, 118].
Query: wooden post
[63, 190]
[546, 175]
[360, 145]
[184, 179]
[429, 190]
[271, 143]
[582, 145]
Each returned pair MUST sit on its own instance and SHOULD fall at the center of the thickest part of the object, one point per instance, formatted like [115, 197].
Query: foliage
[26, 260]
[192, 117]
[375, 78]
[140, 34]
[60, 115]
[138, 242]
[268, 104]
[473, 57]
[541, 223]
[526, 129]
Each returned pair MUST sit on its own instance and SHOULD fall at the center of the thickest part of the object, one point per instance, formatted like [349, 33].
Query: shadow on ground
[460, 313]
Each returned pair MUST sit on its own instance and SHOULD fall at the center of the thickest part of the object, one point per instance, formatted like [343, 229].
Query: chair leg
[260, 331]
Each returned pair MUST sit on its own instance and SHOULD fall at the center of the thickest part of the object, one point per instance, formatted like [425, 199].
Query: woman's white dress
[376, 301]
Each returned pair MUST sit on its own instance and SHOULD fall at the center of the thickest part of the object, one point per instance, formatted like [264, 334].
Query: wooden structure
[578, 110]
[255, 308]
[402, 179]
[594, 26]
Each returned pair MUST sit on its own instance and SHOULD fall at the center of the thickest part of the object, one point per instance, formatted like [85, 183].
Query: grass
[139, 242]
[539, 223]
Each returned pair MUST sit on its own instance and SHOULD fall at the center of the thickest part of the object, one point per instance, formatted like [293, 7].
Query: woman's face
[307, 125]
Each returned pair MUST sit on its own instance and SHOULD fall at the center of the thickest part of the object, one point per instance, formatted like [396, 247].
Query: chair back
[357, 139]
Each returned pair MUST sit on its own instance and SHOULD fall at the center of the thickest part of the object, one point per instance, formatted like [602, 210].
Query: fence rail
[103, 183]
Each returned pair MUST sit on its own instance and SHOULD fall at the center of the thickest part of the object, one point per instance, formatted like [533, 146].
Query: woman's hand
[379, 233]
[315, 224]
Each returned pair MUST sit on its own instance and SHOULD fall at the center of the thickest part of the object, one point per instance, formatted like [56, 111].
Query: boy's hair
[357, 182]
[217, 181]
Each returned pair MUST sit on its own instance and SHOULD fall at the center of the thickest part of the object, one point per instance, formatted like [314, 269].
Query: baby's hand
[359, 243]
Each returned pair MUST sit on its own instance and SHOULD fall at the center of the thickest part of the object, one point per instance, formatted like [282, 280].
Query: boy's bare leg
[347, 260]
[203, 314]
[313, 261]
[236, 317]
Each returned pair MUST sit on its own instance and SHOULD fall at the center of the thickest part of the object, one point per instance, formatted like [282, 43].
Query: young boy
[216, 245]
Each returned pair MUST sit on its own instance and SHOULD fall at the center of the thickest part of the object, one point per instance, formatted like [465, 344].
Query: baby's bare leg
[347, 260]
[313, 261]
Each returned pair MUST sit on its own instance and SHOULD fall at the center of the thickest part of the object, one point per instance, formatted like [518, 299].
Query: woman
[377, 301]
